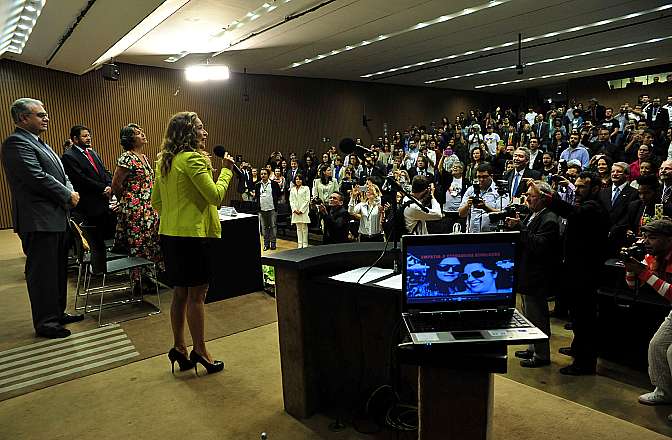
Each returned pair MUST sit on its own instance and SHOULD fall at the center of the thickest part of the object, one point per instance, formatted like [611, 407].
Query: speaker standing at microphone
[187, 198]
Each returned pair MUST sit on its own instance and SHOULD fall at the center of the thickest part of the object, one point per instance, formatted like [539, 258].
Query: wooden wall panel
[282, 113]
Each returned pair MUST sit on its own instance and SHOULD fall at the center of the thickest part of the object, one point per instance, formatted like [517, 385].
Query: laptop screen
[460, 271]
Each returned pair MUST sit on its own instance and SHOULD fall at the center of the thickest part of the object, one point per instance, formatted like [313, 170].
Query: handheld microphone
[220, 151]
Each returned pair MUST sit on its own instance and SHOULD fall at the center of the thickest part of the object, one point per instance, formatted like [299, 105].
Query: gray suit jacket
[40, 188]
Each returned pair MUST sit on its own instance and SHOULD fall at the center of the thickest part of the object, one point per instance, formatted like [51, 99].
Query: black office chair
[283, 218]
[102, 266]
[82, 259]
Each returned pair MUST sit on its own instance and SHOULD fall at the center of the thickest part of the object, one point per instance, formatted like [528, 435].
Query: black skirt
[188, 260]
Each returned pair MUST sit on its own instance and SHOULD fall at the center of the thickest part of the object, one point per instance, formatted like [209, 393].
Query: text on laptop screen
[450, 273]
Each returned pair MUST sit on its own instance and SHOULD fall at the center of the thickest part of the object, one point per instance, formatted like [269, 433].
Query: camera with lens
[636, 251]
[502, 187]
[509, 211]
[317, 201]
[476, 198]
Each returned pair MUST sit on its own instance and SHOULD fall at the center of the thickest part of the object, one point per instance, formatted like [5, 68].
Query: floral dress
[137, 222]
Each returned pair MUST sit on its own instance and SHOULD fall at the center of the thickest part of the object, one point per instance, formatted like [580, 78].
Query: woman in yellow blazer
[186, 198]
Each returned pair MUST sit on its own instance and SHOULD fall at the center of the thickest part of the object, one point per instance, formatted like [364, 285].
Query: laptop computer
[460, 288]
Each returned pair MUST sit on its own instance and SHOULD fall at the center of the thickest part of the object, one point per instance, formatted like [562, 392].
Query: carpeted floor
[143, 400]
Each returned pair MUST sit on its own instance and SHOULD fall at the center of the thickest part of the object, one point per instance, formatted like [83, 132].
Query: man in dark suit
[420, 169]
[603, 145]
[585, 240]
[517, 176]
[42, 196]
[615, 200]
[536, 161]
[336, 220]
[657, 117]
[540, 238]
[641, 210]
[665, 174]
[540, 130]
[91, 180]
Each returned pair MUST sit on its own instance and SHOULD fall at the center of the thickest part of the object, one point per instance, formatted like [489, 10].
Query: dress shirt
[478, 219]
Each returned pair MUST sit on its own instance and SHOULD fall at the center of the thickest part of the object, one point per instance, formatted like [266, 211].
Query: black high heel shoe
[214, 367]
[182, 360]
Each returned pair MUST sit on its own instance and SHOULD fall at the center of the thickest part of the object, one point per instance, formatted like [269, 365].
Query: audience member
[540, 258]
[656, 271]
[268, 196]
[299, 203]
[336, 220]
[369, 212]
[480, 200]
[585, 243]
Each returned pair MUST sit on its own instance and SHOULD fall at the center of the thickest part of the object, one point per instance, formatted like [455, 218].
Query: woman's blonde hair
[180, 136]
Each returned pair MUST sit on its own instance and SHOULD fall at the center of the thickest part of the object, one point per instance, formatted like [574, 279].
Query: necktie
[614, 195]
[667, 193]
[539, 131]
[516, 180]
[88, 154]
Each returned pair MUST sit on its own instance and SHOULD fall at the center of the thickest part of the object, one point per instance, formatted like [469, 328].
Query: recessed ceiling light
[529, 39]
[573, 72]
[421, 25]
[554, 59]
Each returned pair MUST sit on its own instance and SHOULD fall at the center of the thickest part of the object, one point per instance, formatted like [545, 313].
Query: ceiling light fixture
[19, 24]
[207, 72]
[421, 25]
[551, 60]
[524, 40]
[165, 10]
[573, 72]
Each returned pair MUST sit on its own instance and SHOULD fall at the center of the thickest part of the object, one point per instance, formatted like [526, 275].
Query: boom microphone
[348, 146]
[220, 151]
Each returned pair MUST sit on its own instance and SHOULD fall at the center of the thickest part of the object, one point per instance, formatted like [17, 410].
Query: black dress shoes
[69, 319]
[577, 370]
[534, 363]
[53, 332]
[524, 354]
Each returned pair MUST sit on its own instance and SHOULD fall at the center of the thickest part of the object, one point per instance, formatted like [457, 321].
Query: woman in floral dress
[137, 222]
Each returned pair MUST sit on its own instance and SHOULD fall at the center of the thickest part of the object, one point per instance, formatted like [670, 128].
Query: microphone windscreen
[219, 150]
[347, 145]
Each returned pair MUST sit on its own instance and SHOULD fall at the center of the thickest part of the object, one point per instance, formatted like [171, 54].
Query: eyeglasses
[474, 274]
[40, 115]
[448, 268]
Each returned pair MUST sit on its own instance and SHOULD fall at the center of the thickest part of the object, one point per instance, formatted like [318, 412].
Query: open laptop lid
[444, 272]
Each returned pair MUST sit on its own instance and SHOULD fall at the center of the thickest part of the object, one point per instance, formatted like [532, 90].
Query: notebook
[459, 288]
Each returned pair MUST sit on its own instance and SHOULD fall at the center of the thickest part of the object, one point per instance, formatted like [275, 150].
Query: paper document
[391, 282]
[352, 276]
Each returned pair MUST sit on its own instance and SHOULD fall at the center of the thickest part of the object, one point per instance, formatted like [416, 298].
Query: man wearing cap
[656, 271]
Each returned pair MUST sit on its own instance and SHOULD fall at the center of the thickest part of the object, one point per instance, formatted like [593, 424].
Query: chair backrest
[97, 249]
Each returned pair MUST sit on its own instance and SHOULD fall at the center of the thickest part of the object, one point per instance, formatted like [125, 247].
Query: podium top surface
[323, 254]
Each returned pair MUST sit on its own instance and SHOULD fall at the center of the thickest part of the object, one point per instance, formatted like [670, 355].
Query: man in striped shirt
[656, 271]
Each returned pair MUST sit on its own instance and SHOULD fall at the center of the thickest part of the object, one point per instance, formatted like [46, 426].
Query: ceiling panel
[198, 26]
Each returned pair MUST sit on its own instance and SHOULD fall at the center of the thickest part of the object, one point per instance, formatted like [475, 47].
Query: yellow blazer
[187, 198]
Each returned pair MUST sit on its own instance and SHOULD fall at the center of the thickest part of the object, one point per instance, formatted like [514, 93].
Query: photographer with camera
[656, 271]
[336, 219]
[482, 199]
[414, 217]
[540, 238]
[585, 243]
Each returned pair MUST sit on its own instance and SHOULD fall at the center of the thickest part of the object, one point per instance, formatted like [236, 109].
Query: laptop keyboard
[447, 322]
